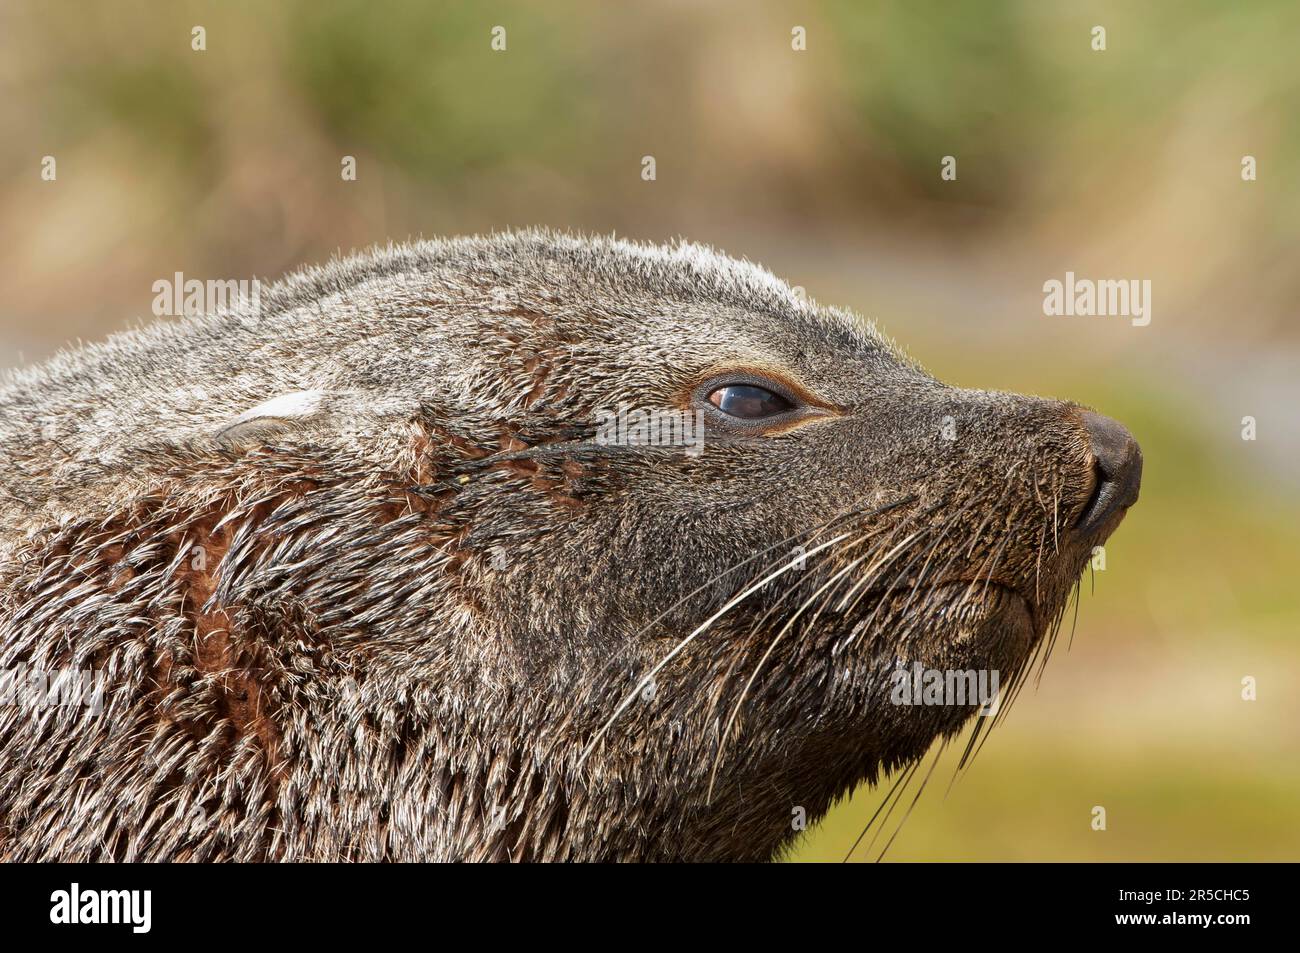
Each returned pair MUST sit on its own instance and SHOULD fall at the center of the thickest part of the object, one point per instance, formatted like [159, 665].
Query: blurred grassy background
[824, 166]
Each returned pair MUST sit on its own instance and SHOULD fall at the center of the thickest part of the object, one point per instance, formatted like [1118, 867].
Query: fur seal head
[523, 547]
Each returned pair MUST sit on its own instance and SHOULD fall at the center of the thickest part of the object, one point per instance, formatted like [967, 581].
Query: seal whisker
[846, 549]
[921, 790]
[859, 587]
[677, 649]
[895, 792]
[822, 527]
[1020, 678]
[726, 731]
[720, 684]
[811, 533]
[1056, 522]
[923, 577]
[779, 544]
[1076, 592]
[869, 576]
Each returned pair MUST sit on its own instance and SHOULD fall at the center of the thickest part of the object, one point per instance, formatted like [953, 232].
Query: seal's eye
[748, 402]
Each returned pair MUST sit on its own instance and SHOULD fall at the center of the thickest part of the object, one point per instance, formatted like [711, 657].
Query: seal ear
[273, 416]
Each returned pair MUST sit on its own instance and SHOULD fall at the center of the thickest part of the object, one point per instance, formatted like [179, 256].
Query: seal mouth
[1019, 609]
[981, 583]
[1018, 598]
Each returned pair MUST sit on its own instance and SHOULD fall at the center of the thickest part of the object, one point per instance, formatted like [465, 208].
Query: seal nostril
[1098, 485]
[1117, 471]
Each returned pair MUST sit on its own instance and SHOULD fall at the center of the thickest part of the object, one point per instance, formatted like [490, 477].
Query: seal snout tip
[1117, 470]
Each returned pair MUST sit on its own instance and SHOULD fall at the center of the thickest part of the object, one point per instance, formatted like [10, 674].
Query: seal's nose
[1118, 470]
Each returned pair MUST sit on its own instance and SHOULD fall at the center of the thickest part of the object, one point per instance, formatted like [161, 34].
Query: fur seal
[359, 577]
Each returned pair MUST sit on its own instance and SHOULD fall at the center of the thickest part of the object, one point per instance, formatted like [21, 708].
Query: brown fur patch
[218, 649]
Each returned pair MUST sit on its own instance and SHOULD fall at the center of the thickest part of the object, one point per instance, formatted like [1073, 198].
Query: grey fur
[312, 650]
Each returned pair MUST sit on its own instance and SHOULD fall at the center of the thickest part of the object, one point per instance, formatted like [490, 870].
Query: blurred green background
[823, 165]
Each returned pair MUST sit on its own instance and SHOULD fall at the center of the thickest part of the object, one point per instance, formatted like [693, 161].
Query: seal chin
[1018, 618]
